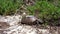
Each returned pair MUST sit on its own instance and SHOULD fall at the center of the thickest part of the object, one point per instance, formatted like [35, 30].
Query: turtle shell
[28, 20]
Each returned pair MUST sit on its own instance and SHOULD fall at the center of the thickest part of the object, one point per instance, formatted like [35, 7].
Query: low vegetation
[9, 6]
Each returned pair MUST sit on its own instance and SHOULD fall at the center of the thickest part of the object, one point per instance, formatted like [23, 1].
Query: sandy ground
[9, 25]
[26, 29]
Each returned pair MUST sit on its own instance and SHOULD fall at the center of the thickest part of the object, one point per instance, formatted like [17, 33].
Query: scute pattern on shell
[29, 20]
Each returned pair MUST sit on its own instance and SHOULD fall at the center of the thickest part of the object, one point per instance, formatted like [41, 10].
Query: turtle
[30, 20]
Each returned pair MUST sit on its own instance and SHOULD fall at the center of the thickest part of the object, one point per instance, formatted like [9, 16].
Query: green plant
[9, 6]
[48, 12]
